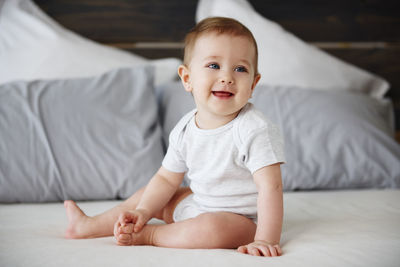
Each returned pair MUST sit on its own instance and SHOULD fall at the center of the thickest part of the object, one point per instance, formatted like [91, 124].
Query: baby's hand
[128, 223]
[137, 217]
[123, 234]
[261, 248]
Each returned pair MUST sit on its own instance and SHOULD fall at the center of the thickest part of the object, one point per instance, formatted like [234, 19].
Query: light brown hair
[218, 25]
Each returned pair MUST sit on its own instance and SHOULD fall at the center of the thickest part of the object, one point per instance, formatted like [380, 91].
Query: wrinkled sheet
[323, 228]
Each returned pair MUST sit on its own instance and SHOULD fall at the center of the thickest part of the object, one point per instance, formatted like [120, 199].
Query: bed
[89, 94]
[325, 228]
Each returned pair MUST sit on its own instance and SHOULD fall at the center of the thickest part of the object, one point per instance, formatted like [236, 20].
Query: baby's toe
[124, 239]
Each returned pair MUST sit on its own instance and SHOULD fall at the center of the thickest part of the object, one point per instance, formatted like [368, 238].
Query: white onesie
[220, 162]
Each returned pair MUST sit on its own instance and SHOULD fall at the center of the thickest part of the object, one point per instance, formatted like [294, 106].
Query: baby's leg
[208, 230]
[83, 226]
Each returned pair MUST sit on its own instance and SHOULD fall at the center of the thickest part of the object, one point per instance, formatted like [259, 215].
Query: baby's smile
[222, 94]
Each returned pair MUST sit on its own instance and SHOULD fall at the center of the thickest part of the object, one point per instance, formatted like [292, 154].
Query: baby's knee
[225, 229]
[210, 223]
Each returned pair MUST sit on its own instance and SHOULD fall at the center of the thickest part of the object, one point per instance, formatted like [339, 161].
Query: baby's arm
[270, 213]
[158, 192]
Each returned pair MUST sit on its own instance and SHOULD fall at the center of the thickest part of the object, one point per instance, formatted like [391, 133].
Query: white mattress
[336, 228]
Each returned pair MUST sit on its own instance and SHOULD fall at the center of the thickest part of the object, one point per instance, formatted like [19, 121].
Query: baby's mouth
[222, 94]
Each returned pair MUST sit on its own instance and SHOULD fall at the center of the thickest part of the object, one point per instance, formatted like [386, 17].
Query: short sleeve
[173, 160]
[263, 147]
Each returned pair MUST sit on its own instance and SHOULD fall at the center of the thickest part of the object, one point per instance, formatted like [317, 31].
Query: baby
[230, 152]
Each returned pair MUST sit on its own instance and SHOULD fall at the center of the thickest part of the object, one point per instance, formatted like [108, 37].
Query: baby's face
[222, 73]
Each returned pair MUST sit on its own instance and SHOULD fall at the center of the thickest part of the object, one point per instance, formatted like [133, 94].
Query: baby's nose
[226, 79]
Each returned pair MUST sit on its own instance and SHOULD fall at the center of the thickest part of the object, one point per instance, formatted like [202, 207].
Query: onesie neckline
[218, 130]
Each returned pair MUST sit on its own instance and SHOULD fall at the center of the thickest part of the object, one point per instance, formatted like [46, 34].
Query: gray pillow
[333, 140]
[82, 139]
[173, 102]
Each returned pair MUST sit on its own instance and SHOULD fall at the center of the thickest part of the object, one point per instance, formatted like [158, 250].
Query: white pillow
[284, 59]
[34, 46]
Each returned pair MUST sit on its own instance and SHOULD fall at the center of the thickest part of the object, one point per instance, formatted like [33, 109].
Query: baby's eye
[241, 69]
[213, 66]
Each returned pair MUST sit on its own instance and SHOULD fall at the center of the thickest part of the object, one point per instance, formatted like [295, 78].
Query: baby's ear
[257, 78]
[184, 74]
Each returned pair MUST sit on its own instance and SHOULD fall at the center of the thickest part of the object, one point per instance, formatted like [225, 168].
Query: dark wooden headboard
[363, 32]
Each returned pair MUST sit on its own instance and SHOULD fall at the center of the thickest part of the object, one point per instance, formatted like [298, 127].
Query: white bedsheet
[336, 228]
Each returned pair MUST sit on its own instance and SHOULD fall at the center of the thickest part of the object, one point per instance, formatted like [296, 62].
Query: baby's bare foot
[127, 237]
[77, 221]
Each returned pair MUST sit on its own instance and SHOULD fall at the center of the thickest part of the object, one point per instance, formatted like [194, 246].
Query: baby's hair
[218, 25]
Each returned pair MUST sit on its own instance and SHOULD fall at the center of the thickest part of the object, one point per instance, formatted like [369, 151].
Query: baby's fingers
[139, 224]
[126, 217]
[254, 251]
[249, 249]
[242, 249]
[275, 250]
[271, 251]
[264, 251]
[261, 250]
[279, 250]
[126, 229]
[117, 226]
